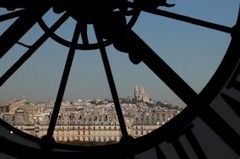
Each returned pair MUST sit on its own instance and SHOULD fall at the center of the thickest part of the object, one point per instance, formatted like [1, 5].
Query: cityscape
[89, 121]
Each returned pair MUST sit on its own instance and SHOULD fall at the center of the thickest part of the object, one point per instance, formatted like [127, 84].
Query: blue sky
[192, 51]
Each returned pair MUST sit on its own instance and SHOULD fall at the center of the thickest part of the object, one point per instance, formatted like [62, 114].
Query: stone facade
[100, 129]
[89, 120]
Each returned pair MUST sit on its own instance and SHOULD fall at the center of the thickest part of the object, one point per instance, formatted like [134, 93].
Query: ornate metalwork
[108, 18]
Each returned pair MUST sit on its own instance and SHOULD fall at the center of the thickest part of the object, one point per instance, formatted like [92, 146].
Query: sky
[192, 51]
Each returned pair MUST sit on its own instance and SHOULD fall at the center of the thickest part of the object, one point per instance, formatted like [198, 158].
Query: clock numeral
[234, 83]
[175, 141]
[192, 140]
[195, 144]
[235, 80]
[179, 148]
[159, 153]
[218, 124]
[233, 103]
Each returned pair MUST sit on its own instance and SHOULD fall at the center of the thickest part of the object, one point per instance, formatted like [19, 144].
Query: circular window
[201, 60]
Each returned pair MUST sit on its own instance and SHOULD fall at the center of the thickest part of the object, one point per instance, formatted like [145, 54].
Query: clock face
[190, 47]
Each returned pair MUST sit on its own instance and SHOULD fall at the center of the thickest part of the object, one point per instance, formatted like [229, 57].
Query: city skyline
[89, 122]
[139, 94]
